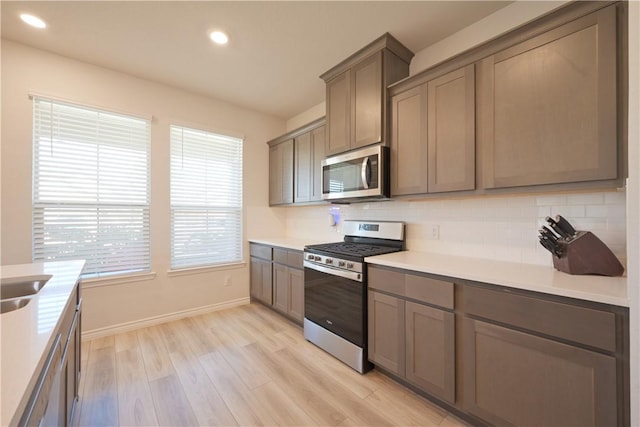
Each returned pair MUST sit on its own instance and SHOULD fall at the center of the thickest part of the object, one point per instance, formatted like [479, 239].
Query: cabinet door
[386, 332]
[71, 370]
[280, 288]
[303, 167]
[514, 378]
[317, 155]
[409, 142]
[296, 294]
[338, 114]
[366, 99]
[548, 106]
[255, 281]
[452, 131]
[430, 357]
[281, 173]
[267, 282]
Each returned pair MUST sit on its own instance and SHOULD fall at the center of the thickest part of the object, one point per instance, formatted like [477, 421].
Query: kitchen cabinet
[500, 356]
[548, 106]
[261, 285]
[433, 135]
[356, 95]
[55, 394]
[281, 173]
[411, 330]
[295, 171]
[288, 283]
[309, 153]
[533, 361]
[277, 279]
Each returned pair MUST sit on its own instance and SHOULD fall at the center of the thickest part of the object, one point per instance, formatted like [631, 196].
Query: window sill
[118, 280]
[206, 269]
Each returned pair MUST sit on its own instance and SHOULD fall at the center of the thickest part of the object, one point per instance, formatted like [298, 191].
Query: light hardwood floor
[243, 366]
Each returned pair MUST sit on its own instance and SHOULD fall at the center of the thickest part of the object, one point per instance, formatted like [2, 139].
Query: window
[90, 188]
[206, 198]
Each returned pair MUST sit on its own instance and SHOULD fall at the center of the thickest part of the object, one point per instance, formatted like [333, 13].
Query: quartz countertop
[27, 333]
[294, 243]
[531, 277]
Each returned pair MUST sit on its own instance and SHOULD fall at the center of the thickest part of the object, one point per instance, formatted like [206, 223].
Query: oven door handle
[351, 275]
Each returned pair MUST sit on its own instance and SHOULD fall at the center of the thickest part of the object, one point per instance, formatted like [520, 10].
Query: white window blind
[90, 188]
[206, 198]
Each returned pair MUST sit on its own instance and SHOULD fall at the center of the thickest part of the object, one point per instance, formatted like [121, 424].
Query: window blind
[206, 198]
[90, 188]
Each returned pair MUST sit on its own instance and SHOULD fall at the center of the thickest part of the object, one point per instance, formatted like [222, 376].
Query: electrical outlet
[227, 280]
[435, 232]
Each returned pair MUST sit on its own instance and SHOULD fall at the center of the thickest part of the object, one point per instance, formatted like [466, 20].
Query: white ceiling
[276, 51]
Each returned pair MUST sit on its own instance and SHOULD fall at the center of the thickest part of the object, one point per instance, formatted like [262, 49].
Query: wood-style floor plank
[100, 395]
[135, 403]
[245, 366]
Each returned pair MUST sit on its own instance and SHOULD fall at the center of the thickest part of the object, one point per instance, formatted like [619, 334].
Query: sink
[13, 304]
[22, 286]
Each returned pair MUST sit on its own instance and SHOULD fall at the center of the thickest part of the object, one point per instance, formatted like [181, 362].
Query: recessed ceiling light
[34, 21]
[219, 37]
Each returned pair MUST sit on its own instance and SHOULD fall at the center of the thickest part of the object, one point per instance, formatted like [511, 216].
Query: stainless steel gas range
[335, 288]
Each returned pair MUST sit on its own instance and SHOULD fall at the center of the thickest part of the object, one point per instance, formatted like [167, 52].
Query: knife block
[586, 254]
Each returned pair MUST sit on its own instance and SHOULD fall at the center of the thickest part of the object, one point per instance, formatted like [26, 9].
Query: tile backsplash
[501, 228]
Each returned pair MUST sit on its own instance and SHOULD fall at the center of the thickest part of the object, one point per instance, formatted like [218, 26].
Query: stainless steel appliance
[335, 288]
[357, 175]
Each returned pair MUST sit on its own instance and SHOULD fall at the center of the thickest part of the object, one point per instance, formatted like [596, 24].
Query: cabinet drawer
[579, 324]
[280, 255]
[295, 259]
[386, 280]
[260, 251]
[431, 291]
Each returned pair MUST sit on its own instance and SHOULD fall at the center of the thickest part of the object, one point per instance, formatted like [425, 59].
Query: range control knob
[310, 257]
[328, 261]
[341, 263]
[316, 258]
[349, 265]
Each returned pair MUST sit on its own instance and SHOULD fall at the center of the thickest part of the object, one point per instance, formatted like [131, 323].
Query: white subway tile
[615, 198]
[554, 200]
[568, 212]
[599, 211]
[585, 199]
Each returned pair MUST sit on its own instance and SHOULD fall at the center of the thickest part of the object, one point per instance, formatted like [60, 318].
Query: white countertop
[538, 278]
[27, 333]
[288, 242]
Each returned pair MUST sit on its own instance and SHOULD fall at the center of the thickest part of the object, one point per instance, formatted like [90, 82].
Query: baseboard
[156, 320]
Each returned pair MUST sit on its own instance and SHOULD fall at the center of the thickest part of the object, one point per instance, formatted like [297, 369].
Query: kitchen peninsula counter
[28, 333]
[530, 277]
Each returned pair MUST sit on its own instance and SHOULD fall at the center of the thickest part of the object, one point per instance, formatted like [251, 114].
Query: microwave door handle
[364, 174]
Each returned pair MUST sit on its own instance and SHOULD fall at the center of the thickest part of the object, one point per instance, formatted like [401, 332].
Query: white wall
[26, 70]
[633, 206]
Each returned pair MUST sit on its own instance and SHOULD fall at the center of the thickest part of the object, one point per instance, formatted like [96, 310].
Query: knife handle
[565, 225]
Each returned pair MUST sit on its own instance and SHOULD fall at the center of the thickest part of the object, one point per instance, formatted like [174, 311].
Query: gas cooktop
[352, 249]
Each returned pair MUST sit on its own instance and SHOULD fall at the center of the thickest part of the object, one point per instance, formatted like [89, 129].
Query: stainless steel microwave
[357, 175]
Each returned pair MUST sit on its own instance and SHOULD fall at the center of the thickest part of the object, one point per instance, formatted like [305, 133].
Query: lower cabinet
[501, 356]
[515, 378]
[277, 279]
[412, 340]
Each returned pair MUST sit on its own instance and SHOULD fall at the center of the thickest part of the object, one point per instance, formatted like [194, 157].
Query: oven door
[336, 301]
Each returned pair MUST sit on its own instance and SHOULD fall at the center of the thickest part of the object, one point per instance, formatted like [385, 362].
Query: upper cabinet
[357, 113]
[281, 173]
[433, 135]
[294, 165]
[548, 106]
[539, 108]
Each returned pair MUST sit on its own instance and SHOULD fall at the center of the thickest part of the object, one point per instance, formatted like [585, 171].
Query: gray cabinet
[288, 288]
[433, 135]
[261, 282]
[277, 279]
[515, 378]
[548, 108]
[309, 153]
[281, 173]
[386, 332]
[356, 96]
[411, 330]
